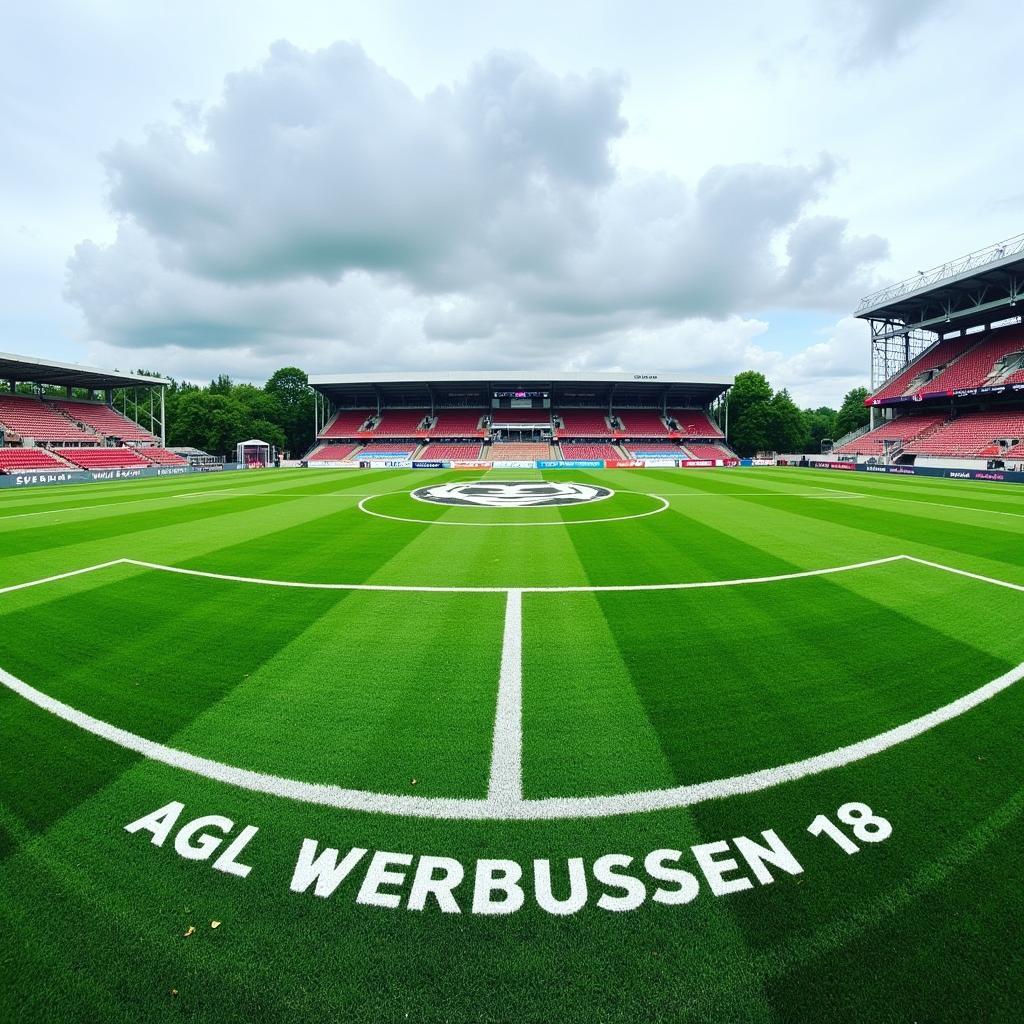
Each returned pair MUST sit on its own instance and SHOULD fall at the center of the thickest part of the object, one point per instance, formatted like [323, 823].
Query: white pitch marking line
[506, 781]
[523, 810]
[747, 494]
[552, 522]
[696, 585]
[61, 576]
[969, 575]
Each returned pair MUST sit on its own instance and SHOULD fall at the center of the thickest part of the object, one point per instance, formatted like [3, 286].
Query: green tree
[290, 386]
[821, 423]
[215, 423]
[749, 414]
[853, 413]
[787, 425]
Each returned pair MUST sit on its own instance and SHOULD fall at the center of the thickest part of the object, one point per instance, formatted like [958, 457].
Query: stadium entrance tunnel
[555, 703]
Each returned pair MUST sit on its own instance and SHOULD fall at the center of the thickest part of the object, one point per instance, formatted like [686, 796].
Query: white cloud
[324, 213]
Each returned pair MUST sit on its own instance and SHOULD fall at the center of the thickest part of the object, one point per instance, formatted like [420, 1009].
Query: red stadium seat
[103, 458]
[584, 423]
[29, 417]
[575, 450]
[14, 460]
[103, 419]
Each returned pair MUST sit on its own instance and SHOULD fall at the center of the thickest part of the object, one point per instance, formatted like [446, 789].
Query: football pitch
[719, 745]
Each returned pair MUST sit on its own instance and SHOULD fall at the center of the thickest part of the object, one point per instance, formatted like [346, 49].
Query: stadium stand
[921, 370]
[583, 423]
[516, 451]
[333, 453]
[694, 423]
[641, 423]
[904, 428]
[971, 435]
[658, 449]
[526, 416]
[29, 417]
[981, 365]
[162, 456]
[15, 460]
[347, 423]
[103, 458]
[400, 423]
[708, 451]
[574, 450]
[457, 423]
[103, 419]
[397, 448]
[442, 452]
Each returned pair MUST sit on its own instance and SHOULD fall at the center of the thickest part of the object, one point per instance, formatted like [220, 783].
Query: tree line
[763, 420]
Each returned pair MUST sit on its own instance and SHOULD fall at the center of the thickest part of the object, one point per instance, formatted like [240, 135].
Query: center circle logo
[511, 493]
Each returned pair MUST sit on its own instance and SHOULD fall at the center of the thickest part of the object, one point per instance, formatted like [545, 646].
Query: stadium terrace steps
[971, 435]
[694, 423]
[30, 417]
[13, 460]
[708, 451]
[977, 366]
[904, 428]
[443, 452]
[583, 423]
[400, 423]
[103, 458]
[637, 449]
[526, 451]
[161, 456]
[572, 450]
[102, 419]
[938, 355]
[457, 423]
[333, 453]
[348, 423]
[641, 423]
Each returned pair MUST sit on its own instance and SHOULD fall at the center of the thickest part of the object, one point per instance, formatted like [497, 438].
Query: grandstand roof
[982, 287]
[351, 388]
[44, 371]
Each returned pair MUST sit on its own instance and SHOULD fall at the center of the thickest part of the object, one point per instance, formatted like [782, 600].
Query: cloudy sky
[200, 188]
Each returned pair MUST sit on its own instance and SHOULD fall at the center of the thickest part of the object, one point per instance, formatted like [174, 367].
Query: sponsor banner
[660, 463]
[332, 464]
[385, 464]
[758, 462]
[697, 463]
[570, 464]
[513, 464]
[37, 479]
[996, 475]
[118, 474]
[84, 476]
[429, 465]
[624, 464]
[469, 464]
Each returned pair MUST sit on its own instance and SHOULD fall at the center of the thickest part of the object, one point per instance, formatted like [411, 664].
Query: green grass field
[492, 783]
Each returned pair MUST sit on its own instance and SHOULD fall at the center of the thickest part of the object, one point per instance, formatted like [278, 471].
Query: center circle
[511, 493]
[569, 498]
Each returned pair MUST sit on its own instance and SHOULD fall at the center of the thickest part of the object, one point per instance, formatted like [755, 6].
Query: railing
[851, 436]
[954, 268]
